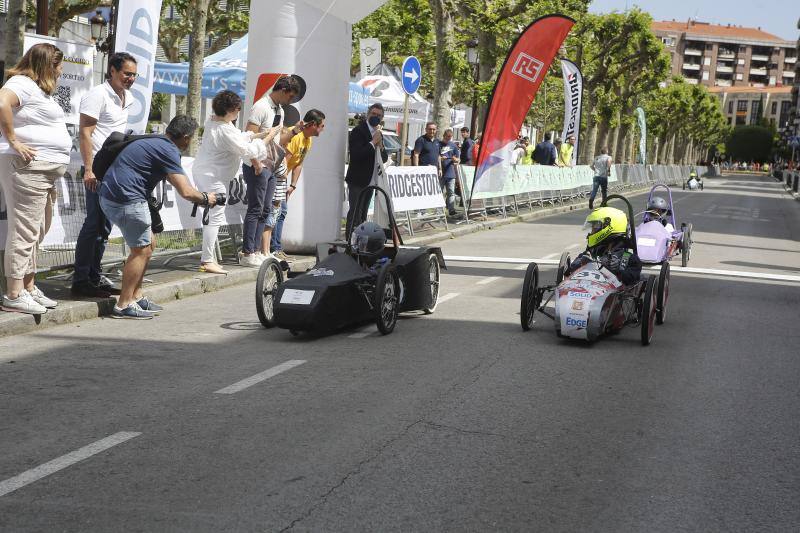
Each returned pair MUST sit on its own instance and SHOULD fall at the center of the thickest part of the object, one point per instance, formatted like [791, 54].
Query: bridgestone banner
[573, 95]
[414, 188]
[76, 77]
[137, 34]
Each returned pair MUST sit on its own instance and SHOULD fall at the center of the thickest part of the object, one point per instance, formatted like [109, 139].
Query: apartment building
[727, 56]
[746, 105]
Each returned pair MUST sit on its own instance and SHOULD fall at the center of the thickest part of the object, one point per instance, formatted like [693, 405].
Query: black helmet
[656, 202]
[368, 239]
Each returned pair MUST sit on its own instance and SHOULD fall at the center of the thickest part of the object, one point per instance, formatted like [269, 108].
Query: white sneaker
[263, 257]
[251, 260]
[24, 303]
[39, 297]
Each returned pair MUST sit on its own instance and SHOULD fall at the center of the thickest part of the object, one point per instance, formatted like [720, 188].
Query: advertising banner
[414, 188]
[573, 95]
[76, 78]
[137, 34]
[370, 55]
[642, 120]
[519, 80]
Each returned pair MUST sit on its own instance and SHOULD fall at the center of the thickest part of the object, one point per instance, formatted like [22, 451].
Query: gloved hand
[613, 262]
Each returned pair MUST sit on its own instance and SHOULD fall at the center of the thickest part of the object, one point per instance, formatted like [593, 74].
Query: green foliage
[750, 143]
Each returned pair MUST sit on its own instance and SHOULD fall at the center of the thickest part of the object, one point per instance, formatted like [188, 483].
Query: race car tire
[386, 299]
[270, 276]
[662, 298]
[529, 300]
[434, 273]
[563, 265]
[649, 309]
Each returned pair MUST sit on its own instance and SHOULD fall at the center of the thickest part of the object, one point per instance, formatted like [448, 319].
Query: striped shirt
[281, 183]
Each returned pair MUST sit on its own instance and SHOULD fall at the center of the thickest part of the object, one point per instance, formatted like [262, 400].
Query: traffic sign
[411, 74]
[794, 142]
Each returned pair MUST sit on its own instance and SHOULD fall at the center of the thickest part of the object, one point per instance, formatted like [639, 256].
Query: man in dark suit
[362, 142]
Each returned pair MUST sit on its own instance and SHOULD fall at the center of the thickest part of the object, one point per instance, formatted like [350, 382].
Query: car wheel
[386, 299]
[563, 264]
[434, 273]
[649, 308]
[663, 293]
[529, 301]
[270, 276]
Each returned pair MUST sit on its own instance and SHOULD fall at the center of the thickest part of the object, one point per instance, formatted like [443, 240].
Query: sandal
[212, 268]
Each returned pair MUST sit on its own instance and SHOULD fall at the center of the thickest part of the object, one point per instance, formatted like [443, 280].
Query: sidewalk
[180, 278]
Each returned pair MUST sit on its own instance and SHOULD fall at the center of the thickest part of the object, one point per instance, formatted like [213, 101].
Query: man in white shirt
[266, 113]
[103, 110]
[602, 170]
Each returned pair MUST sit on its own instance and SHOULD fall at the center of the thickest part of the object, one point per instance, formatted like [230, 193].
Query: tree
[62, 10]
[750, 143]
[15, 27]
[199, 19]
[447, 62]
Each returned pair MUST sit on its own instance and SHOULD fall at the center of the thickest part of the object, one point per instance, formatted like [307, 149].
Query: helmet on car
[604, 223]
[693, 173]
[656, 203]
[368, 239]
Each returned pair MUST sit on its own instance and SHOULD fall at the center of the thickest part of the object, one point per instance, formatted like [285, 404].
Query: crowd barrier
[791, 180]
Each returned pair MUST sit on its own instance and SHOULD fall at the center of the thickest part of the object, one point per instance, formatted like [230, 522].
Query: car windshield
[391, 143]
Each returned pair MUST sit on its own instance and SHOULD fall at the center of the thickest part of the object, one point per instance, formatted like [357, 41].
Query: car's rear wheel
[563, 265]
[529, 301]
[270, 276]
[386, 299]
[663, 293]
[434, 273]
[649, 309]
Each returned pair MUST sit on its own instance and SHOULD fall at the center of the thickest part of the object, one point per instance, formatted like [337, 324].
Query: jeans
[275, 242]
[91, 243]
[449, 189]
[260, 190]
[133, 220]
[600, 182]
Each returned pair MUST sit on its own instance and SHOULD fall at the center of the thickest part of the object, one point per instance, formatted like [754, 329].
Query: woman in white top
[219, 159]
[34, 153]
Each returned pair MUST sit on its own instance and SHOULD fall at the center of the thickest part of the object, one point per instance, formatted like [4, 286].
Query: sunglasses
[130, 75]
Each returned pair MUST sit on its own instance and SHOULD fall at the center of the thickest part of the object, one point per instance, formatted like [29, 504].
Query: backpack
[112, 147]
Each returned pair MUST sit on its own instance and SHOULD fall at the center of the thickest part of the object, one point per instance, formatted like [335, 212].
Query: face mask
[374, 120]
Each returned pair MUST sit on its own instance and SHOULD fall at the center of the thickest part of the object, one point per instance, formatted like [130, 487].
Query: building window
[668, 41]
[740, 120]
[774, 108]
[739, 77]
[741, 105]
[755, 111]
[705, 76]
[730, 106]
[784, 118]
[741, 61]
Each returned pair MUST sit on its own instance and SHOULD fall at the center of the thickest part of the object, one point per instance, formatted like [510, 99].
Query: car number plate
[297, 297]
[645, 241]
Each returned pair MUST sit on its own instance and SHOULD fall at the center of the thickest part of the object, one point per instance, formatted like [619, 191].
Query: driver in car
[658, 208]
[608, 243]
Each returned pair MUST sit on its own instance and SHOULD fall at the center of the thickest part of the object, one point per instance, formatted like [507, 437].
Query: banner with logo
[524, 179]
[414, 188]
[137, 34]
[642, 120]
[573, 96]
[76, 77]
[370, 55]
[516, 87]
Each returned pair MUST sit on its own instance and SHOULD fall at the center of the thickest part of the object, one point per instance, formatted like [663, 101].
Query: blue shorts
[272, 216]
[132, 219]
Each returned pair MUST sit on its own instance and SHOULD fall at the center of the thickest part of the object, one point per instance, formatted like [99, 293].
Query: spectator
[527, 156]
[466, 147]
[517, 154]
[602, 169]
[265, 114]
[476, 149]
[218, 160]
[124, 194]
[34, 152]
[557, 143]
[364, 142]
[449, 156]
[296, 152]
[276, 165]
[427, 148]
[545, 152]
[103, 110]
[565, 153]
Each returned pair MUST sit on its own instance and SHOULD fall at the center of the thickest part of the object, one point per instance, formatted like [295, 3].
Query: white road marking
[261, 376]
[448, 296]
[60, 463]
[488, 280]
[522, 267]
[511, 260]
[551, 256]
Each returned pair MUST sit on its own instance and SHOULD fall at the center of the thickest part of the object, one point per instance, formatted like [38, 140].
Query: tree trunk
[444, 24]
[621, 144]
[15, 27]
[180, 104]
[487, 44]
[588, 150]
[197, 51]
[602, 135]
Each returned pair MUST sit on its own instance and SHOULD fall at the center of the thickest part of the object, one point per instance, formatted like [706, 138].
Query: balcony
[726, 56]
[759, 58]
[719, 82]
[788, 74]
[691, 66]
[758, 72]
[692, 81]
[790, 59]
[724, 68]
[693, 52]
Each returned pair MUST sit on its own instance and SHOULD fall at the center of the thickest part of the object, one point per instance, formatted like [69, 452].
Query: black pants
[353, 192]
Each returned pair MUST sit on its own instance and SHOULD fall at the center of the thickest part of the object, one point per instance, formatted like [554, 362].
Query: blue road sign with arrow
[412, 74]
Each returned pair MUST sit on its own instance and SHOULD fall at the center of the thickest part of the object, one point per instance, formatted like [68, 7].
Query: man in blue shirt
[449, 155]
[545, 152]
[126, 187]
[466, 147]
[427, 148]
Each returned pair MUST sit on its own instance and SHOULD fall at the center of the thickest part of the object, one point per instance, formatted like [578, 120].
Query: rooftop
[730, 31]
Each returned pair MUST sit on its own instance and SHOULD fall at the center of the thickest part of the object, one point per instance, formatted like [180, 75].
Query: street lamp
[474, 61]
[97, 23]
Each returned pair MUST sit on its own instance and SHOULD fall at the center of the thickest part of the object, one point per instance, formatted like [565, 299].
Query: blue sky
[778, 17]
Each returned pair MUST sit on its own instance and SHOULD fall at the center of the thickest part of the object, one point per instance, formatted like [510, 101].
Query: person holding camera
[218, 160]
[124, 199]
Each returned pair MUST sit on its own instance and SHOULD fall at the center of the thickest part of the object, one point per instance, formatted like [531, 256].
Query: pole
[42, 16]
[405, 130]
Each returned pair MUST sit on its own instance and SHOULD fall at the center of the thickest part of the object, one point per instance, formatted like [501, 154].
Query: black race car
[368, 276]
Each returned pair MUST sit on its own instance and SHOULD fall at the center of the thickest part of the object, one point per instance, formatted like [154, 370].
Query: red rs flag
[516, 87]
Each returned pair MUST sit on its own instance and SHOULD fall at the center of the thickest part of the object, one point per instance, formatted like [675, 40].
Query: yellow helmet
[603, 223]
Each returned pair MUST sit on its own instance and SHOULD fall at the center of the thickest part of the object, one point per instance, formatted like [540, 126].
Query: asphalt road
[458, 421]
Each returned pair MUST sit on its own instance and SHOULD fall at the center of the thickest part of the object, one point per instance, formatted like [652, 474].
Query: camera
[156, 224]
[221, 198]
